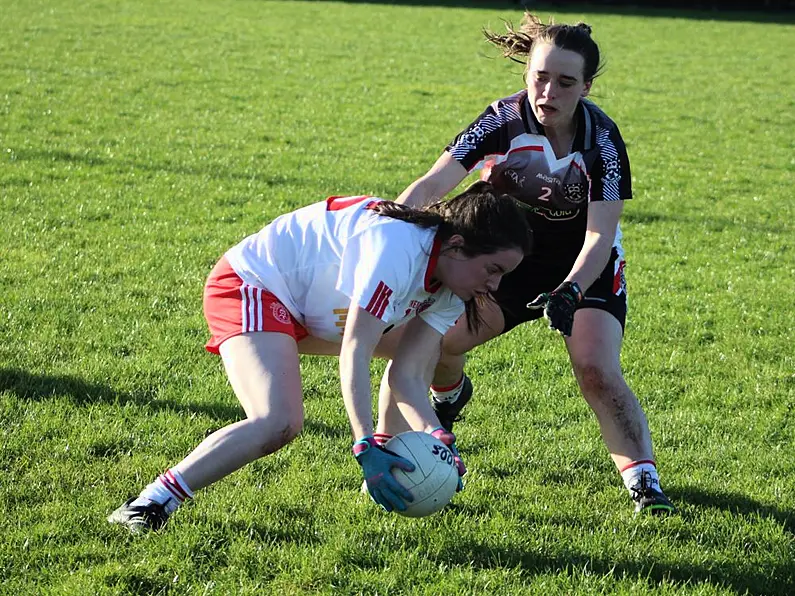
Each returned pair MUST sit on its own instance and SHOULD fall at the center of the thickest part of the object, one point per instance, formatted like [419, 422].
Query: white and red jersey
[321, 258]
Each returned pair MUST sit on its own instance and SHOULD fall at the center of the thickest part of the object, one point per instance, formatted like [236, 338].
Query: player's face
[555, 84]
[468, 277]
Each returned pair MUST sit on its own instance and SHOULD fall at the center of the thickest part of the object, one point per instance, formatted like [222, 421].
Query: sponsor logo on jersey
[612, 170]
[575, 193]
[419, 307]
[514, 177]
[554, 214]
[548, 179]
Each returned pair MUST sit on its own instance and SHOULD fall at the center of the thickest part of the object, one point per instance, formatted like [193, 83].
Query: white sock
[631, 474]
[169, 489]
[448, 394]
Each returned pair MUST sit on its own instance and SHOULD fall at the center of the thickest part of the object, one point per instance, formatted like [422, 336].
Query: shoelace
[644, 488]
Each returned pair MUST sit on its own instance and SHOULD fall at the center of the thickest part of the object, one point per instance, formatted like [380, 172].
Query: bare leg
[458, 341]
[594, 349]
[264, 373]
[390, 419]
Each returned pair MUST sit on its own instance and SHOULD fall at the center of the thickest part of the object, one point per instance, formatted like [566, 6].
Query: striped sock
[447, 394]
[169, 489]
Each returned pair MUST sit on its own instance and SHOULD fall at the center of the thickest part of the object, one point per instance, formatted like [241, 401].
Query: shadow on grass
[734, 503]
[773, 580]
[211, 171]
[778, 11]
[776, 578]
[40, 387]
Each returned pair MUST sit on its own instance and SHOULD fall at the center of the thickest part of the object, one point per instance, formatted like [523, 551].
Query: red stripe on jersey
[380, 300]
[617, 286]
[337, 203]
[384, 303]
[378, 290]
[432, 286]
[528, 148]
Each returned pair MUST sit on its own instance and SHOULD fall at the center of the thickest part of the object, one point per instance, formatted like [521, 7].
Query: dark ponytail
[518, 44]
[487, 220]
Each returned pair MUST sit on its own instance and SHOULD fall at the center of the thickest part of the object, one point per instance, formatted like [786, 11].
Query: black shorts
[534, 276]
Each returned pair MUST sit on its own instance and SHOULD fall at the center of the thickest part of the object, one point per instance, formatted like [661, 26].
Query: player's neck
[562, 138]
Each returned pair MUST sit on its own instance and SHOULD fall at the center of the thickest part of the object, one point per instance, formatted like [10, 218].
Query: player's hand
[377, 464]
[559, 306]
[448, 438]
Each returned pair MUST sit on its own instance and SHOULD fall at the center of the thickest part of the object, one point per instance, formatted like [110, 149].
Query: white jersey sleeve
[444, 313]
[377, 269]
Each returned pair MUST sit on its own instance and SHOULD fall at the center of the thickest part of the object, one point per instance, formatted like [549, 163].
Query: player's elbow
[424, 190]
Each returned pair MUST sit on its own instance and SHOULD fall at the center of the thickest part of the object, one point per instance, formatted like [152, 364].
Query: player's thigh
[320, 347]
[460, 339]
[263, 369]
[595, 342]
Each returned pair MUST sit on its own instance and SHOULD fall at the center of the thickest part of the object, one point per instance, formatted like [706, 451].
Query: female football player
[556, 151]
[332, 278]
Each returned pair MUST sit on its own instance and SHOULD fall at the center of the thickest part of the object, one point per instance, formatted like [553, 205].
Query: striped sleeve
[610, 175]
[490, 133]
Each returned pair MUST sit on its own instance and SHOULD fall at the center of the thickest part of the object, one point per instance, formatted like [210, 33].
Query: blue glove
[559, 306]
[448, 438]
[377, 464]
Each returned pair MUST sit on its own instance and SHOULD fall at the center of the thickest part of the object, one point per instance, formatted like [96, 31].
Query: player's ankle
[449, 393]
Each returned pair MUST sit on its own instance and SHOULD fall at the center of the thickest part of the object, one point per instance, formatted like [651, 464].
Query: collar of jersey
[430, 285]
[583, 125]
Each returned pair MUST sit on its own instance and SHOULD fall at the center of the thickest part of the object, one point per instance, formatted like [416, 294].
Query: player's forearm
[356, 392]
[443, 177]
[418, 194]
[592, 259]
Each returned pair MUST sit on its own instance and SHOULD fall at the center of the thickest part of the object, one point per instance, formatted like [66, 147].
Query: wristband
[362, 445]
[576, 288]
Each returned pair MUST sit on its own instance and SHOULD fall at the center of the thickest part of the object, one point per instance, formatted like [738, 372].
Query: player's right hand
[377, 464]
[559, 306]
[448, 438]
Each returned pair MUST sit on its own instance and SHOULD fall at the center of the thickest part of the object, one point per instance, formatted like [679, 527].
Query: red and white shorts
[233, 307]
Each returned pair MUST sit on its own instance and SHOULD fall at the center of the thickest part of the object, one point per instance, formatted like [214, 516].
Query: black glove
[559, 306]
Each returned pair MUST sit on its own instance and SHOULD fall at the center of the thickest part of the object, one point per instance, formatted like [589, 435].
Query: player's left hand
[559, 306]
[448, 438]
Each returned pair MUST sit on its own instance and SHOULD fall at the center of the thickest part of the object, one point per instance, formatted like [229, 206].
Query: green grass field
[139, 140]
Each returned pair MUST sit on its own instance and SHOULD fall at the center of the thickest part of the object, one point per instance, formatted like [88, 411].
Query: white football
[435, 476]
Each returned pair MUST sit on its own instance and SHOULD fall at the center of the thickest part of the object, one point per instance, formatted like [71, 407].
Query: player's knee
[598, 382]
[273, 435]
[454, 347]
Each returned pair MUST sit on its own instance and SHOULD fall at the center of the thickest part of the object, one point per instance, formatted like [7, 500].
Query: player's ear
[455, 241]
[587, 89]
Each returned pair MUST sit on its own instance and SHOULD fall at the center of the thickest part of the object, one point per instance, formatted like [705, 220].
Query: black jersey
[509, 145]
